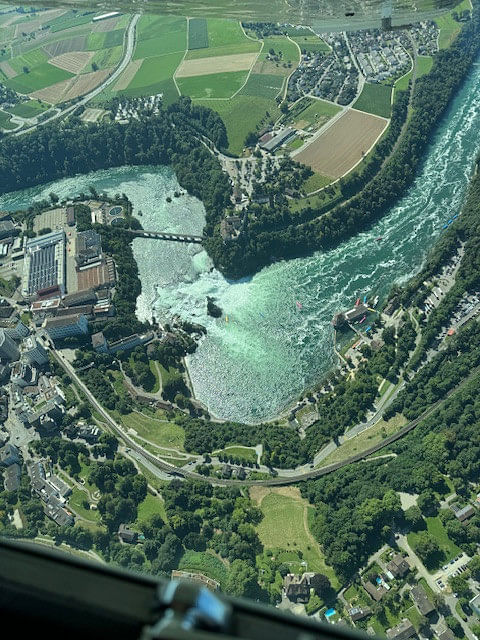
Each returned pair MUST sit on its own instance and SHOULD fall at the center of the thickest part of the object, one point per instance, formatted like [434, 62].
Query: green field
[285, 526]
[311, 43]
[281, 44]
[28, 109]
[315, 182]
[239, 452]
[197, 33]
[169, 36]
[105, 58]
[30, 59]
[206, 563]
[214, 85]
[424, 65]
[155, 76]
[375, 98]
[315, 114]
[263, 85]
[76, 502]
[242, 115]
[105, 40]
[5, 121]
[437, 530]
[224, 37]
[402, 83]
[38, 78]
[76, 21]
[156, 429]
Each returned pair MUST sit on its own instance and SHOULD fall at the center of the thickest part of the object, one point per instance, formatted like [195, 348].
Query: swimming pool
[329, 613]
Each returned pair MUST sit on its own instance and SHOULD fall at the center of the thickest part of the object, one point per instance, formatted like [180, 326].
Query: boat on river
[362, 320]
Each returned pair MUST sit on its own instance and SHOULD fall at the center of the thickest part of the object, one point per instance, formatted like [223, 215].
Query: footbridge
[161, 235]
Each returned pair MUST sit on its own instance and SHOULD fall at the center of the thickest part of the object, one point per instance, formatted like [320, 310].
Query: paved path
[119, 70]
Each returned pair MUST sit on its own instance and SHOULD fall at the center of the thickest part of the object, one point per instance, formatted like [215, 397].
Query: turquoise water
[252, 367]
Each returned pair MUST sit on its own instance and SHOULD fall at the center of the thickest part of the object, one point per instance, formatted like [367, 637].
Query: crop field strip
[197, 33]
[338, 149]
[376, 99]
[221, 64]
[74, 61]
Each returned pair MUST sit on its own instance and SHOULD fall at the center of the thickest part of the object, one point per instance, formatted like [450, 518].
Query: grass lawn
[76, 500]
[437, 530]
[224, 32]
[289, 51]
[206, 563]
[29, 109]
[296, 143]
[315, 182]
[5, 121]
[424, 65]
[240, 452]
[213, 85]
[312, 43]
[449, 29]
[241, 115]
[156, 429]
[40, 77]
[365, 440]
[285, 526]
[402, 83]
[375, 98]
[152, 505]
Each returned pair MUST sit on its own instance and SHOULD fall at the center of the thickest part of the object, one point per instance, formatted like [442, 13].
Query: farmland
[222, 64]
[223, 37]
[311, 43]
[215, 85]
[311, 114]
[197, 33]
[45, 54]
[28, 109]
[338, 149]
[376, 99]
[155, 76]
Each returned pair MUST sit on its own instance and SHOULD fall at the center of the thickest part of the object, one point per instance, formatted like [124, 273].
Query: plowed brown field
[338, 149]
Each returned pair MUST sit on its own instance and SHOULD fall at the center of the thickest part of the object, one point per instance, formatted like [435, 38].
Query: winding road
[130, 45]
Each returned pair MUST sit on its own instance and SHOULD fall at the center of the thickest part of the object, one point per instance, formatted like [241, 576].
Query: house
[446, 634]
[277, 140]
[297, 588]
[402, 631]
[239, 473]
[398, 566]
[54, 508]
[475, 604]
[464, 513]
[226, 471]
[356, 613]
[421, 600]
[230, 227]
[130, 342]
[12, 477]
[9, 454]
[126, 535]
[376, 593]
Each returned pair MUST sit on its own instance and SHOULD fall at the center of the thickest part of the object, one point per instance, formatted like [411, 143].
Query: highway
[130, 45]
[142, 454]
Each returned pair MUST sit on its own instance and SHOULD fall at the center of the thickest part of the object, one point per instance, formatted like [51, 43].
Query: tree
[321, 584]
[242, 579]
[428, 503]
[413, 518]
[460, 585]
[455, 626]
[474, 566]
[427, 547]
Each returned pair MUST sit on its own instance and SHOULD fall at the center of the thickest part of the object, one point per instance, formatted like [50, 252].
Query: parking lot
[455, 567]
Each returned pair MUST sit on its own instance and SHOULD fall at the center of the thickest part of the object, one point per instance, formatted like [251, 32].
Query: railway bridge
[162, 235]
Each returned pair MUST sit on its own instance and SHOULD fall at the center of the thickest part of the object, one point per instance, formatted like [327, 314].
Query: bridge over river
[161, 235]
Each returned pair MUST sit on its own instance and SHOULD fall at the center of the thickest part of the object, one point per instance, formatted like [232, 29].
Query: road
[120, 69]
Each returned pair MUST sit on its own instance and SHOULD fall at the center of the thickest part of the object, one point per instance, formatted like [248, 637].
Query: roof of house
[357, 613]
[376, 593]
[402, 631]
[12, 477]
[464, 513]
[398, 565]
[447, 634]
[98, 339]
[421, 600]
[81, 297]
[126, 534]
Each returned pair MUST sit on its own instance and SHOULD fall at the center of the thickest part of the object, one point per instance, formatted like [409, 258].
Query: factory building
[44, 265]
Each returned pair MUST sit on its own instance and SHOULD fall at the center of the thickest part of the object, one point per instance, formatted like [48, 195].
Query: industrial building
[66, 326]
[277, 141]
[44, 264]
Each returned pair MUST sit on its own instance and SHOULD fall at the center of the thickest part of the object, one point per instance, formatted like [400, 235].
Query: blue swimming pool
[329, 613]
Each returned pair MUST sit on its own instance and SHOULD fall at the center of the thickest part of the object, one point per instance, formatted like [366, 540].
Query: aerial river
[251, 367]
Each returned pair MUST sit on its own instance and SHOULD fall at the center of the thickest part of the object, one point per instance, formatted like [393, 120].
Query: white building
[44, 264]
